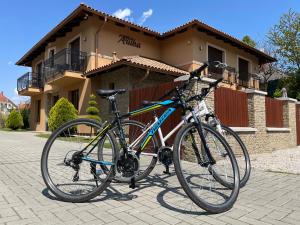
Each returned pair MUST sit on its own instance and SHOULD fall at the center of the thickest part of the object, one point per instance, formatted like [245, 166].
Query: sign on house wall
[126, 40]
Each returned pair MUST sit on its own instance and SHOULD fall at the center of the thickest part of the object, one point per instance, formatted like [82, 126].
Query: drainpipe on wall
[96, 41]
[142, 78]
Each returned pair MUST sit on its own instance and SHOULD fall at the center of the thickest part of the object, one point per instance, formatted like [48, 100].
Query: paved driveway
[271, 197]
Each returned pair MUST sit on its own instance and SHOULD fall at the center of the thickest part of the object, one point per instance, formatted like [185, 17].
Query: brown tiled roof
[80, 12]
[3, 98]
[140, 62]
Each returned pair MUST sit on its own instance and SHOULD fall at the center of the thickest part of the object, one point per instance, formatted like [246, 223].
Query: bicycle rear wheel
[70, 175]
[196, 178]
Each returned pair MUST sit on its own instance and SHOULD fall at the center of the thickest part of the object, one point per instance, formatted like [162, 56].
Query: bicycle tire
[212, 208]
[44, 164]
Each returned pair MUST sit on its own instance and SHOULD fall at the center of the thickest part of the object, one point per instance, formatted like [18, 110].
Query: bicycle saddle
[149, 103]
[110, 92]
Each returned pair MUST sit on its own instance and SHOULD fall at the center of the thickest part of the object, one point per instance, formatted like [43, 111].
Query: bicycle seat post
[114, 106]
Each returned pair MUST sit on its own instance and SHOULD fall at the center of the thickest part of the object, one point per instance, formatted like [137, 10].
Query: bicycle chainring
[128, 166]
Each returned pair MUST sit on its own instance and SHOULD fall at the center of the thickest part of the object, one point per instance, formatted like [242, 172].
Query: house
[90, 49]
[6, 105]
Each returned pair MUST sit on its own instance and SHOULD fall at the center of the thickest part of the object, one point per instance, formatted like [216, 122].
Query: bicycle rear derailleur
[74, 162]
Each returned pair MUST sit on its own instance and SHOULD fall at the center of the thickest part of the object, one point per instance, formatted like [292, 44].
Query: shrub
[92, 110]
[14, 120]
[277, 93]
[62, 112]
[3, 118]
[25, 115]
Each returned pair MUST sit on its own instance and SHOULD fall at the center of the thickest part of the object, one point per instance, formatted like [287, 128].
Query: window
[243, 69]
[55, 99]
[215, 54]
[38, 110]
[74, 98]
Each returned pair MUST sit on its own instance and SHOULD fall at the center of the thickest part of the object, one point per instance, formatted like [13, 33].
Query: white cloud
[145, 16]
[10, 63]
[123, 13]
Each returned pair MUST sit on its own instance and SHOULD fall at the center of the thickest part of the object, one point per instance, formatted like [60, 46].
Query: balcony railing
[248, 81]
[29, 80]
[65, 60]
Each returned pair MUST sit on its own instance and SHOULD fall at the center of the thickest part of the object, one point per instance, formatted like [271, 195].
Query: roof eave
[127, 63]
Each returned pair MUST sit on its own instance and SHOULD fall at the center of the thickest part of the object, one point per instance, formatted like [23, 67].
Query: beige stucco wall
[186, 50]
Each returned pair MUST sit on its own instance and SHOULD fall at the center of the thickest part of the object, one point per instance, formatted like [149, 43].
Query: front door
[243, 69]
[215, 54]
[75, 54]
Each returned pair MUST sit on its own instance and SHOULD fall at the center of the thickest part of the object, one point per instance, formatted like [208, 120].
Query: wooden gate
[231, 107]
[136, 96]
[274, 112]
[298, 123]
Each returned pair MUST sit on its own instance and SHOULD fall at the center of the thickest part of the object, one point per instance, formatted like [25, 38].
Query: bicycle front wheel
[196, 175]
[70, 165]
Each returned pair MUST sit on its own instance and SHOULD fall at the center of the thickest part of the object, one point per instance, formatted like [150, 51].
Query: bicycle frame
[200, 110]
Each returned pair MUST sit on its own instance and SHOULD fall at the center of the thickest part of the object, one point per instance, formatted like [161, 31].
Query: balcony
[65, 67]
[30, 84]
[249, 81]
[231, 77]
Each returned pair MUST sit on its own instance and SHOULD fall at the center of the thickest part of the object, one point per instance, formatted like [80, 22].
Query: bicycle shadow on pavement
[155, 180]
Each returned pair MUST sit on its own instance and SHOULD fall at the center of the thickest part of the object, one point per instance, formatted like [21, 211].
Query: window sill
[243, 129]
[278, 129]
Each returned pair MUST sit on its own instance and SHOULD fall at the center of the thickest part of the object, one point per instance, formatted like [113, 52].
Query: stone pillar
[257, 119]
[289, 118]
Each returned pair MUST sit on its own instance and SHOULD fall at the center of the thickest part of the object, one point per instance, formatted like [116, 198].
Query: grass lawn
[71, 139]
[8, 129]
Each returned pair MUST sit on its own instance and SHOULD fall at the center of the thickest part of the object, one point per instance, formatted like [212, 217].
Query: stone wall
[127, 78]
[258, 137]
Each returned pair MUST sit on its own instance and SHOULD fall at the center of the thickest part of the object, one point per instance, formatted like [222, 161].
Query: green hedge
[14, 120]
[92, 110]
[62, 112]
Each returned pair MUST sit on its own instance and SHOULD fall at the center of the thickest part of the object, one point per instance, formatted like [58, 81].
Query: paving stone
[268, 198]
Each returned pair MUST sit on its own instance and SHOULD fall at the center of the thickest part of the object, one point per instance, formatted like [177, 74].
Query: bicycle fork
[211, 160]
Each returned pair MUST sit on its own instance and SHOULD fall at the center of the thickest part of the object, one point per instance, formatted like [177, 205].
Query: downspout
[96, 41]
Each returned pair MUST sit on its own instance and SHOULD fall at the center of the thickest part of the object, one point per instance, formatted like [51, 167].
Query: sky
[24, 23]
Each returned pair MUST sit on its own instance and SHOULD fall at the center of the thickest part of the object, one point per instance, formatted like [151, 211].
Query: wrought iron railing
[29, 80]
[64, 60]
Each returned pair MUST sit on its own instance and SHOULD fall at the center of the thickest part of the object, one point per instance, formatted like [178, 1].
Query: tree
[285, 37]
[25, 115]
[249, 41]
[92, 110]
[269, 69]
[14, 120]
[62, 112]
